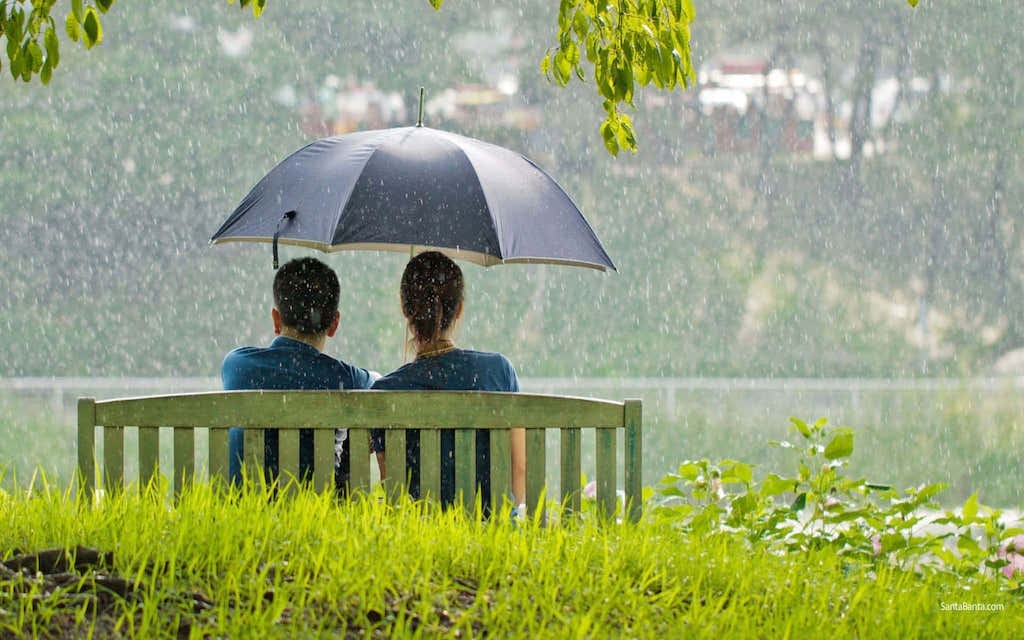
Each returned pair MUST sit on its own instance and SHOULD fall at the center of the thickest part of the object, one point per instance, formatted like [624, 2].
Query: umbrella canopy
[416, 187]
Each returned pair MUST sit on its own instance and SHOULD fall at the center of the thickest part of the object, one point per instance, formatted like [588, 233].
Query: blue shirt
[457, 370]
[287, 364]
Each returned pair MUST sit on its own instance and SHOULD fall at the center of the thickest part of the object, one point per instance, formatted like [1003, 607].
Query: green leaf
[743, 505]
[13, 50]
[545, 64]
[436, 4]
[77, 11]
[801, 426]
[673, 492]
[892, 542]
[679, 66]
[572, 53]
[968, 545]
[92, 30]
[925, 493]
[73, 27]
[47, 72]
[12, 29]
[35, 55]
[580, 25]
[104, 5]
[592, 44]
[16, 64]
[257, 8]
[624, 83]
[912, 3]
[970, 510]
[609, 132]
[35, 21]
[799, 503]
[687, 470]
[564, 38]
[805, 471]
[743, 472]
[562, 68]
[52, 45]
[773, 485]
[841, 445]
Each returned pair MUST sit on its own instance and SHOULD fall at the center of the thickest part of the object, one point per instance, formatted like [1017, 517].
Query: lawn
[216, 564]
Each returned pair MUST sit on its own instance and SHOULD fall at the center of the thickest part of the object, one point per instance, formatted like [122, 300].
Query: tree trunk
[826, 84]
[860, 119]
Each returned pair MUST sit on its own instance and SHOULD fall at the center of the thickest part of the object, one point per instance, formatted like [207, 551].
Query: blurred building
[743, 104]
[476, 106]
[338, 108]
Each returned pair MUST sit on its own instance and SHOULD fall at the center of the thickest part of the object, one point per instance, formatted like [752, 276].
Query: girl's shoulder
[488, 359]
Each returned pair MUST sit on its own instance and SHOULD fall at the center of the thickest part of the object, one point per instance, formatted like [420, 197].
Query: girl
[432, 302]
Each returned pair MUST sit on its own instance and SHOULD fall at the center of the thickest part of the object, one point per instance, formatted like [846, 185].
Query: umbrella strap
[287, 217]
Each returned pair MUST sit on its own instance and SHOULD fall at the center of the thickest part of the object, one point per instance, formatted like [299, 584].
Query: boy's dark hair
[306, 294]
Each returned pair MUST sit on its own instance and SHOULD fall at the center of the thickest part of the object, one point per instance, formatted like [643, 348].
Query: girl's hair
[432, 289]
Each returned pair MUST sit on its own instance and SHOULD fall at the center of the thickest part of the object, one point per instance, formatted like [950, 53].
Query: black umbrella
[416, 187]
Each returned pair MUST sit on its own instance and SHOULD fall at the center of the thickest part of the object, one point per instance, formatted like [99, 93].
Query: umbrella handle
[287, 217]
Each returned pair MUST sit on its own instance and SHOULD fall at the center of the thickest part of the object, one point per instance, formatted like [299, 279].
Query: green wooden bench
[194, 415]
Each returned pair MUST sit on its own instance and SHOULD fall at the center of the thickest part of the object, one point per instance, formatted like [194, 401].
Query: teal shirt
[457, 370]
[287, 364]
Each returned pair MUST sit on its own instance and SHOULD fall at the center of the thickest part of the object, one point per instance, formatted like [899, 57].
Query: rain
[826, 223]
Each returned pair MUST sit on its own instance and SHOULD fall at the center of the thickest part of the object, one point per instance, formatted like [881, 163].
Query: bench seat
[192, 415]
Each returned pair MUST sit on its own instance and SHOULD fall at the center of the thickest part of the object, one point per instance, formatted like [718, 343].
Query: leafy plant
[820, 507]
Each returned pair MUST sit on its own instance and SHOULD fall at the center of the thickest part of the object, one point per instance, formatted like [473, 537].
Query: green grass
[212, 565]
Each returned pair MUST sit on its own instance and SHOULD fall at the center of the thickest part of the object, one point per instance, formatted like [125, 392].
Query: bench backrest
[360, 411]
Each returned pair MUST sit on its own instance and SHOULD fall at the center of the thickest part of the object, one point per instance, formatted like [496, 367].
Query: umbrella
[411, 188]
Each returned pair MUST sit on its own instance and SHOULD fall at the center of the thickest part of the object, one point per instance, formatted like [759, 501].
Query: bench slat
[252, 454]
[501, 468]
[323, 460]
[149, 454]
[184, 457]
[359, 459]
[219, 454]
[87, 445]
[605, 463]
[571, 470]
[113, 458]
[394, 464]
[288, 459]
[633, 442]
[536, 467]
[374, 409]
[430, 463]
[465, 467]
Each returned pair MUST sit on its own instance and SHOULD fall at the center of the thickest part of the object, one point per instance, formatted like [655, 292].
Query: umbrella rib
[498, 231]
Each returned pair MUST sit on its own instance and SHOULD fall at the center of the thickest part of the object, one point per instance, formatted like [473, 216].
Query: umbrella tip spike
[419, 121]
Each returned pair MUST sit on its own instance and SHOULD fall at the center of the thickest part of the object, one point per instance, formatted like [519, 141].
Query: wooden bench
[193, 415]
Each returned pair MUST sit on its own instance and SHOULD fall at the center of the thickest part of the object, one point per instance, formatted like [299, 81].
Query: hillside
[115, 176]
